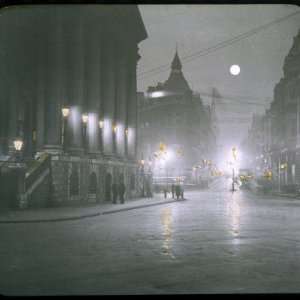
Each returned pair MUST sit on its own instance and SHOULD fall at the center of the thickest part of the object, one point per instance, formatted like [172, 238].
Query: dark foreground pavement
[214, 242]
[87, 210]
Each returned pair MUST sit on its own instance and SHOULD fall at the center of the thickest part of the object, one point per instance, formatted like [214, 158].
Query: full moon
[235, 70]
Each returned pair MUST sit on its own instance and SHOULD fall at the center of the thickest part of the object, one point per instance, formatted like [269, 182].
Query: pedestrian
[165, 192]
[114, 188]
[177, 190]
[122, 189]
[182, 191]
[173, 190]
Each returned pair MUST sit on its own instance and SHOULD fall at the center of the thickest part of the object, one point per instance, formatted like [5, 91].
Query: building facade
[68, 92]
[175, 128]
[279, 144]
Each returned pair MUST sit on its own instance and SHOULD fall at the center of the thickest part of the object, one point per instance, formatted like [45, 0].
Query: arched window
[121, 177]
[108, 181]
[132, 182]
[93, 183]
[74, 182]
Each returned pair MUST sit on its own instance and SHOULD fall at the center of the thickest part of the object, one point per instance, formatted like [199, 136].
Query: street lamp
[101, 125]
[18, 144]
[85, 119]
[65, 113]
[115, 128]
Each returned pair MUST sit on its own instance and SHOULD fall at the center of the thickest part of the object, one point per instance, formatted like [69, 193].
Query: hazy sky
[197, 27]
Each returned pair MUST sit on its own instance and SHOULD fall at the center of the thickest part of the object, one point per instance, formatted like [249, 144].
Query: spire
[176, 64]
[176, 81]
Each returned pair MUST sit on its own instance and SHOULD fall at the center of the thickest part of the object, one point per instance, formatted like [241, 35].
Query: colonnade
[57, 58]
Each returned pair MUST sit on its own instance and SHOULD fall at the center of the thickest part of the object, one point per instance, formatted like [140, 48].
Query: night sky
[195, 28]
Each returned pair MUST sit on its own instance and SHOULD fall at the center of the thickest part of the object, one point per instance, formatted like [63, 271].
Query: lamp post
[18, 144]
[101, 124]
[65, 113]
[85, 119]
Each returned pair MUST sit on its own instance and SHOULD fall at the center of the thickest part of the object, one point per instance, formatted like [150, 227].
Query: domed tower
[176, 81]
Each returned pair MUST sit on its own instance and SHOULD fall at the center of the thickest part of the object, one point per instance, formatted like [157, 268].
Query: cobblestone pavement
[214, 242]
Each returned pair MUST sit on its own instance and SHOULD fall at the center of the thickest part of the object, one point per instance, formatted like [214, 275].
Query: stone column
[120, 104]
[12, 74]
[53, 88]
[108, 94]
[40, 87]
[92, 84]
[4, 84]
[132, 106]
[75, 78]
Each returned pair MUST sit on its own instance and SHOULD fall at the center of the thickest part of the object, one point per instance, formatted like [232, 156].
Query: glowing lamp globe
[85, 118]
[235, 70]
[18, 144]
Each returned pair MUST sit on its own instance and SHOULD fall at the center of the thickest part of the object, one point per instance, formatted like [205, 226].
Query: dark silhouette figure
[173, 190]
[122, 189]
[177, 190]
[108, 187]
[114, 188]
[182, 192]
[165, 192]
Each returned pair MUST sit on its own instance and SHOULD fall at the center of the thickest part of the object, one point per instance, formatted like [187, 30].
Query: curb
[72, 218]
[287, 196]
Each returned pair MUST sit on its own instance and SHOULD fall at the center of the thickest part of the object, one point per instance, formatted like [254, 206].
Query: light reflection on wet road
[166, 220]
[215, 241]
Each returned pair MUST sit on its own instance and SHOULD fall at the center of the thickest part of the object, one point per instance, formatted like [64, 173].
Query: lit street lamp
[65, 113]
[18, 144]
[101, 124]
[85, 119]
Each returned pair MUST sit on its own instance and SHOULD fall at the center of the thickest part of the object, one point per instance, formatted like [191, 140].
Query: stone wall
[82, 180]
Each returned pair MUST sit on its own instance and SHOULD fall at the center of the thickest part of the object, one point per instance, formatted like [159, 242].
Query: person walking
[177, 190]
[122, 189]
[114, 188]
[182, 192]
[165, 192]
[173, 190]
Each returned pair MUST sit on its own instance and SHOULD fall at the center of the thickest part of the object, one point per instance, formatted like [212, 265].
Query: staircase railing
[36, 173]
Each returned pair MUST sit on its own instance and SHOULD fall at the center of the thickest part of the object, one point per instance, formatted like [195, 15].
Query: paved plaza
[215, 241]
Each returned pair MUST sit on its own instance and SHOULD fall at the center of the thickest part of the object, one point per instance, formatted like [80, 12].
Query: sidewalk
[279, 194]
[74, 213]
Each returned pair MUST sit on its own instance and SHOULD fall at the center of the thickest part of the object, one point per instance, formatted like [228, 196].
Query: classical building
[68, 93]
[175, 127]
[280, 129]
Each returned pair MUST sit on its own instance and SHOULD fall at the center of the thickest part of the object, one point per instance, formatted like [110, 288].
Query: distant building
[279, 144]
[81, 59]
[171, 115]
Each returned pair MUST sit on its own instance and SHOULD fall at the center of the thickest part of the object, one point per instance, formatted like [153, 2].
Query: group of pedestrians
[176, 189]
[118, 191]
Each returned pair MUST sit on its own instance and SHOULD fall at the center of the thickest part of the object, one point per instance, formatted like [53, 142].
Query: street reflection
[166, 220]
[233, 210]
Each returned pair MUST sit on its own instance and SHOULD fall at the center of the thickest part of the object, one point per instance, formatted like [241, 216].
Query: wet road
[216, 241]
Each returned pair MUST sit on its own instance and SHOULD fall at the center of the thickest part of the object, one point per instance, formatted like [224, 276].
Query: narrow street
[215, 241]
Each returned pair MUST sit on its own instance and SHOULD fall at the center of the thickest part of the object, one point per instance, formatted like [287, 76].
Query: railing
[38, 169]
[32, 173]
